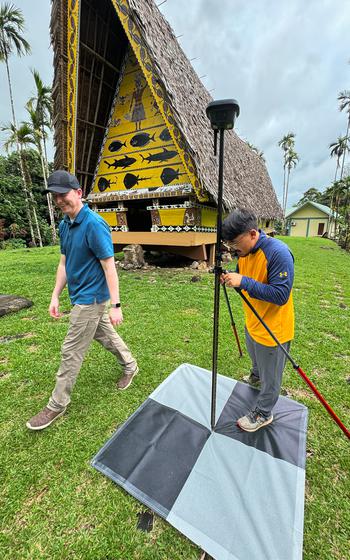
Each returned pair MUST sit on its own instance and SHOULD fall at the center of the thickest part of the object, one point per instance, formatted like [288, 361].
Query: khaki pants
[87, 323]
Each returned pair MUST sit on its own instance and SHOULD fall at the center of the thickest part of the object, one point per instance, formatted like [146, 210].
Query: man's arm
[280, 280]
[108, 265]
[61, 281]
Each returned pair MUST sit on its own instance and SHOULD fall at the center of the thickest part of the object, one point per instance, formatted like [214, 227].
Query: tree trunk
[332, 197]
[337, 204]
[48, 196]
[45, 151]
[347, 218]
[29, 217]
[284, 183]
[26, 194]
[286, 195]
[346, 148]
[32, 199]
[336, 169]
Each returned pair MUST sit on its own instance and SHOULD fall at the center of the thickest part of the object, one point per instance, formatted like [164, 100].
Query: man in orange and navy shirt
[265, 273]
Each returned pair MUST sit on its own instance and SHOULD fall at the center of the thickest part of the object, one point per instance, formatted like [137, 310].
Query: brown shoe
[43, 419]
[126, 380]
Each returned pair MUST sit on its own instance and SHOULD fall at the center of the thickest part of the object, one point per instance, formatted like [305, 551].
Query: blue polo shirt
[84, 242]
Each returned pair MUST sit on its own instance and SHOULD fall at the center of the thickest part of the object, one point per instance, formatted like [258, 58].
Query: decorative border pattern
[186, 204]
[183, 228]
[154, 192]
[73, 9]
[119, 209]
[124, 12]
[118, 228]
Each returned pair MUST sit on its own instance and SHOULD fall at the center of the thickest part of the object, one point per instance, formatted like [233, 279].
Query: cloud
[284, 62]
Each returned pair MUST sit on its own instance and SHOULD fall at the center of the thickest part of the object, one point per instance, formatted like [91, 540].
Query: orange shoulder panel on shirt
[280, 318]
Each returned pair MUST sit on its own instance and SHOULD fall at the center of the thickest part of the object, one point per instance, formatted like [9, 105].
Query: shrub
[12, 244]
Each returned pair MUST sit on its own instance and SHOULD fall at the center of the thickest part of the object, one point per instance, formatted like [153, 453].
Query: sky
[284, 61]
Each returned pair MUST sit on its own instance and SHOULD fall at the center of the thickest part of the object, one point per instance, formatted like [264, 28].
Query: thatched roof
[247, 182]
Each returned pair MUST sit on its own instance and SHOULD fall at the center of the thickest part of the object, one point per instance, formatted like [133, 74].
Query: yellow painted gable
[138, 151]
[308, 211]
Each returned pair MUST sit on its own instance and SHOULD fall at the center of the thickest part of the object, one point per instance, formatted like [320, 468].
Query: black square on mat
[153, 453]
[283, 439]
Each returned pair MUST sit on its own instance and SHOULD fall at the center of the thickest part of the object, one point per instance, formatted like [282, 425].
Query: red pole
[297, 368]
[233, 326]
[323, 401]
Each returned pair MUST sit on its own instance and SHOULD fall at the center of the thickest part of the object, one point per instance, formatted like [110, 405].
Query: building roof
[246, 180]
[321, 207]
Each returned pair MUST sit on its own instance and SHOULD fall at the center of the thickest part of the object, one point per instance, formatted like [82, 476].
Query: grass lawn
[53, 505]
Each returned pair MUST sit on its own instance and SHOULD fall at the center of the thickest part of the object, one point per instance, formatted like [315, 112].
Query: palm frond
[11, 27]
[42, 101]
[344, 100]
[338, 147]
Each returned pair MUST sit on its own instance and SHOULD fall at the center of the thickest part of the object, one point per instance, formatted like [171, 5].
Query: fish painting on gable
[116, 145]
[141, 139]
[160, 156]
[169, 174]
[123, 162]
[131, 180]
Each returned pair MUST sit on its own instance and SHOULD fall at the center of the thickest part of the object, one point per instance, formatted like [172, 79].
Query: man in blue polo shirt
[87, 267]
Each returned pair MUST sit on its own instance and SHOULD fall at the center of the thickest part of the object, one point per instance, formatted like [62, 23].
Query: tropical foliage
[21, 137]
[336, 195]
[13, 203]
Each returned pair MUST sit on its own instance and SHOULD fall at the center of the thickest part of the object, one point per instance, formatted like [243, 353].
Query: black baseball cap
[61, 182]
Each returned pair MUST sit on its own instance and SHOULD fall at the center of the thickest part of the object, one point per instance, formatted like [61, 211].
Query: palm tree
[312, 194]
[339, 188]
[344, 103]
[21, 138]
[346, 212]
[38, 134]
[287, 144]
[11, 27]
[42, 103]
[291, 162]
[40, 109]
[338, 150]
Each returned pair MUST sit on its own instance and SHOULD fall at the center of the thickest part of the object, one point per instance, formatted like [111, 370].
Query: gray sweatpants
[87, 323]
[267, 364]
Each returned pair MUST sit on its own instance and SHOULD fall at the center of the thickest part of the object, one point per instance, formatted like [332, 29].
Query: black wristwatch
[116, 305]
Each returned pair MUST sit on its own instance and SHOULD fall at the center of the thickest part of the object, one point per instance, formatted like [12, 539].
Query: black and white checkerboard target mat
[237, 495]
